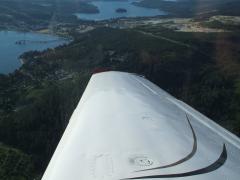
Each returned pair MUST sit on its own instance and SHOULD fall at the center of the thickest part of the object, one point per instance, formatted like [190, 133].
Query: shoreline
[15, 60]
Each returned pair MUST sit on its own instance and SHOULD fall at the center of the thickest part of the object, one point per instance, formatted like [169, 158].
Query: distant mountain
[41, 13]
[190, 8]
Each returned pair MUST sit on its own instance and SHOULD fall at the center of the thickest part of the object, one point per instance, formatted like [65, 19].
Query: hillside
[37, 100]
[14, 164]
[195, 8]
[39, 14]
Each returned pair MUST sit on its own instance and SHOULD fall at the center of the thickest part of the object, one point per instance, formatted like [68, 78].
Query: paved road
[173, 41]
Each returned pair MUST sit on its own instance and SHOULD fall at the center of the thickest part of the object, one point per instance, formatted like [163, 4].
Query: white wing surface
[125, 127]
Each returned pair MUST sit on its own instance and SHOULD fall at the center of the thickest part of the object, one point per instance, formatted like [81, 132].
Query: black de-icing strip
[217, 164]
[189, 156]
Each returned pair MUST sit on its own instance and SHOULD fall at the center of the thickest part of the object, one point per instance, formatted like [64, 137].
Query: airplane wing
[125, 127]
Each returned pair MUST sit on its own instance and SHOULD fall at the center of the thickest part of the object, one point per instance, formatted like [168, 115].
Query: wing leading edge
[125, 127]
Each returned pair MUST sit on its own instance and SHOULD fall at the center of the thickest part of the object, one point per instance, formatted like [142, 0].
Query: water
[10, 51]
[108, 10]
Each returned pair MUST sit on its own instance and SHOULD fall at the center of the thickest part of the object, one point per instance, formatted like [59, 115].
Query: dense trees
[40, 117]
[14, 165]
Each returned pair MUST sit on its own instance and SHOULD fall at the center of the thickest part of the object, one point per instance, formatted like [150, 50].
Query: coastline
[18, 45]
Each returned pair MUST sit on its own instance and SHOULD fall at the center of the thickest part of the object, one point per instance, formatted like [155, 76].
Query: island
[121, 10]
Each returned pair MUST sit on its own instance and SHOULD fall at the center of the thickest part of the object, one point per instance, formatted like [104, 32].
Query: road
[172, 41]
